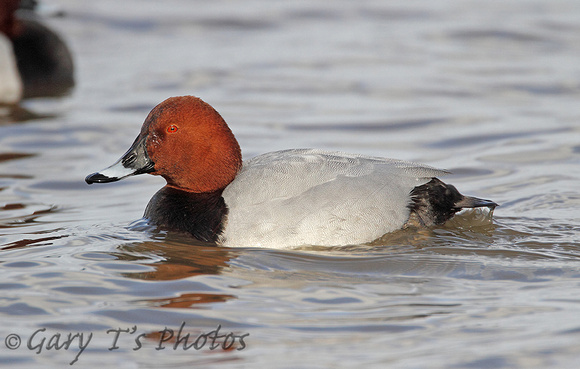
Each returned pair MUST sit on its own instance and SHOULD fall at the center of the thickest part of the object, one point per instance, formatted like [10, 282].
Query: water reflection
[18, 114]
[189, 300]
[176, 260]
[21, 215]
[27, 242]
[173, 260]
[15, 155]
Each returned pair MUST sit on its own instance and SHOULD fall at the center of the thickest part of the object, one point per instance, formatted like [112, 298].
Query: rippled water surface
[488, 90]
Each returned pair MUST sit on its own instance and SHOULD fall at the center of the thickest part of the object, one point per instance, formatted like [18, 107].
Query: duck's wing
[309, 196]
[288, 173]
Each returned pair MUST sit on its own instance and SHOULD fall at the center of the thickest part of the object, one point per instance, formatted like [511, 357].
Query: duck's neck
[200, 214]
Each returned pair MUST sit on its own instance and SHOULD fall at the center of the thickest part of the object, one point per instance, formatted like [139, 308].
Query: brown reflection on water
[17, 114]
[14, 155]
[188, 300]
[21, 219]
[26, 242]
[8, 156]
[179, 261]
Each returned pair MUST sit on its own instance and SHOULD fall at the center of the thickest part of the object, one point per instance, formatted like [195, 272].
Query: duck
[281, 199]
[11, 87]
[34, 60]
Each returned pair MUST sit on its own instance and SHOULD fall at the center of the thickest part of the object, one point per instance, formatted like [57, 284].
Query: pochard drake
[34, 60]
[279, 199]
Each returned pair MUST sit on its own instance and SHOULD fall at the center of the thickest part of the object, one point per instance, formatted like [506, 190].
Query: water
[487, 90]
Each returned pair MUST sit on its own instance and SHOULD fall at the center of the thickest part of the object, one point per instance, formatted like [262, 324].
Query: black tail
[436, 202]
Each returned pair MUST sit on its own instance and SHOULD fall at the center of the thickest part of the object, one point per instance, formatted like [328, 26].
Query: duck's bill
[134, 161]
[474, 202]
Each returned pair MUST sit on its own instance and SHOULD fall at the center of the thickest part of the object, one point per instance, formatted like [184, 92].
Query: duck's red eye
[172, 128]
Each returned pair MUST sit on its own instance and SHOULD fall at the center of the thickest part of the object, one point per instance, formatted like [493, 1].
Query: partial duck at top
[279, 199]
[34, 60]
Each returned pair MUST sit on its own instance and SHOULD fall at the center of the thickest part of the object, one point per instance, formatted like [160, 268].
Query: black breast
[200, 214]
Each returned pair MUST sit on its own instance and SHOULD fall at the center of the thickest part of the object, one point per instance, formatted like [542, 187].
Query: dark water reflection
[180, 260]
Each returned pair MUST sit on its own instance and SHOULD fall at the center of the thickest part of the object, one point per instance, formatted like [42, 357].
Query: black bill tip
[99, 178]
